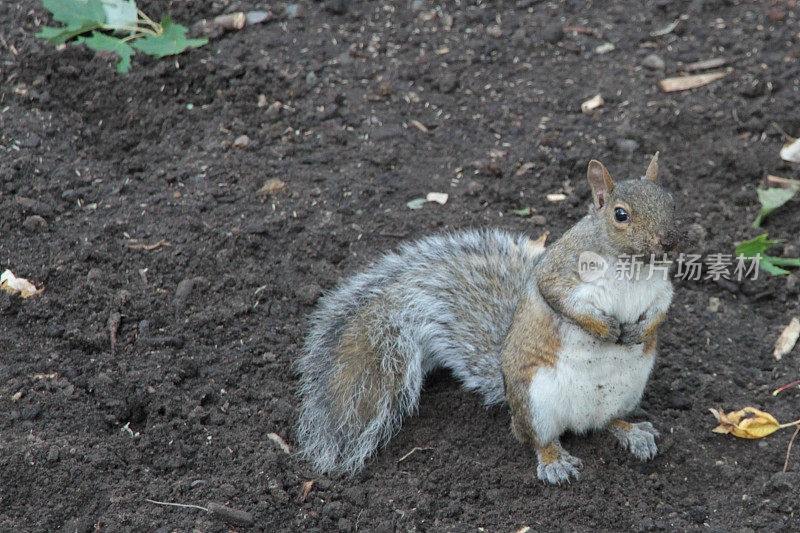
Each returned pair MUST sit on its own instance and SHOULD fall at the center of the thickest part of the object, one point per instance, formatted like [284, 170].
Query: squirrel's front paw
[557, 466]
[639, 439]
[631, 333]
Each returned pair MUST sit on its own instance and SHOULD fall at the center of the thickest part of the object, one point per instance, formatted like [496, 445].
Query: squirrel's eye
[620, 215]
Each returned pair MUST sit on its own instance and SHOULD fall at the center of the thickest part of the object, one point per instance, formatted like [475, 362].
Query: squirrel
[567, 349]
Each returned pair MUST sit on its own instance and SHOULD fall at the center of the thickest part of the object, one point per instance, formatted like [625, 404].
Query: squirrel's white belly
[592, 383]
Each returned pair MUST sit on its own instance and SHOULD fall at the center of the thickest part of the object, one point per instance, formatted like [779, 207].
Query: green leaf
[172, 41]
[61, 35]
[771, 199]
[785, 261]
[120, 12]
[101, 41]
[416, 203]
[525, 211]
[756, 246]
[76, 12]
[49, 32]
[766, 264]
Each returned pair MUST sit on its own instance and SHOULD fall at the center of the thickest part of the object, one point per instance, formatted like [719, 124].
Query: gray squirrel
[567, 348]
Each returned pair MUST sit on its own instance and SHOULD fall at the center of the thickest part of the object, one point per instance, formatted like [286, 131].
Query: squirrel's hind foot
[556, 465]
[639, 439]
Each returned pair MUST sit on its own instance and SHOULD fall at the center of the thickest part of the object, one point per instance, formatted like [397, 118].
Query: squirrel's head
[638, 214]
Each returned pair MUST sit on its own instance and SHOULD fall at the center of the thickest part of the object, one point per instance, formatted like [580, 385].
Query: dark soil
[178, 409]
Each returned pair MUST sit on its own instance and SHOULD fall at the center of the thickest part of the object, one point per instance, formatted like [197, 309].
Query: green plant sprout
[104, 17]
[755, 247]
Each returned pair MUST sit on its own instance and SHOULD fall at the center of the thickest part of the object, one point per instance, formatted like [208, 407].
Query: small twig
[414, 449]
[795, 423]
[586, 31]
[172, 504]
[777, 391]
[148, 247]
[147, 20]
[789, 448]
[781, 131]
[216, 510]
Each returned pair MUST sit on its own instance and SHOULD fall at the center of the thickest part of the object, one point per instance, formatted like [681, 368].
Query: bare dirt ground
[94, 163]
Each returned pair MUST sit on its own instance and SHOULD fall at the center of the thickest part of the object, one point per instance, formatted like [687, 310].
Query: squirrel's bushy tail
[362, 371]
[442, 301]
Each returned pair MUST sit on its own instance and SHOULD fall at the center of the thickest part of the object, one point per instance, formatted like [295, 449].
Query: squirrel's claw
[639, 439]
[562, 469]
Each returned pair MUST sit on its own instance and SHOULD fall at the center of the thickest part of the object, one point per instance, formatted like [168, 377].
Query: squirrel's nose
[669, 241]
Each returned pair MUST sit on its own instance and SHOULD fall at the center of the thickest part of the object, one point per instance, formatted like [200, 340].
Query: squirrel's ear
[600, 181]
[652, 170]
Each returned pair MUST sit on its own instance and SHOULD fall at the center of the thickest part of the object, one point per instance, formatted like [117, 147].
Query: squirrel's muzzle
[669, 241]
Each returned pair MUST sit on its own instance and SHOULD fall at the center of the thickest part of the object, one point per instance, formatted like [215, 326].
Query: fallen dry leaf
[438, 197]
[707, 64]
[683, 83]
[757, 426]
[13, 284]
[420, 126]
[786, 183]
[592, 103]
[306, 490]
[148, 247]
[791, 151]
[277, 439]
[272, 187]
[524, 169]
[787, 338]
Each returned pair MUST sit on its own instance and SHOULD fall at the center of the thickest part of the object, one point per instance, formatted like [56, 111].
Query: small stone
[447, 83]
[519, 36]
[752, 88]
[604, 48]
[308, 294]
[698, 514]
[31, 412]
[538, 220]
[344, 525]
[782, 482]
[792, 283]
[272, 187]
[36, 207]
[274, 110]
[94, 275]
[355, 495]
[333, 509]
[653, 62]
[241, 141]
[553, 33]
[493, 495]
[293, 11]
[35, 224]
[713, 304]
[494, 31]
[627, 146]
[417, 5]
[474, 187]
[52, 454]
[31, 141]
[311, 79]
[337, 7]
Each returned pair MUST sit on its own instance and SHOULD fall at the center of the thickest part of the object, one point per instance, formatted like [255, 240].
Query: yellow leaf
[747, 423]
